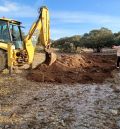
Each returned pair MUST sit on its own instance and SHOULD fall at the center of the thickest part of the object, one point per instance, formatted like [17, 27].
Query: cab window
[16, 36]
[4, 32]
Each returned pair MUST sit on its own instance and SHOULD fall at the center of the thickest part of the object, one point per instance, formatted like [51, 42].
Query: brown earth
[26, 104]
[84, 68]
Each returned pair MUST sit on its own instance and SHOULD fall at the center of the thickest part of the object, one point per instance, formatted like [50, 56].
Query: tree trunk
[97, 50]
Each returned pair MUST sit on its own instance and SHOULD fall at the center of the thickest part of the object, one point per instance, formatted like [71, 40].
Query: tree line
[96, 39]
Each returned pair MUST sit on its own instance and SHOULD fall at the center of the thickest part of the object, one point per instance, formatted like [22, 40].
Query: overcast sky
[68, 17]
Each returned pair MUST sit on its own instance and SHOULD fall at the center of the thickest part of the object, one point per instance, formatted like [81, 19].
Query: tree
[98, 39]
[117, 38]
[68, 47]
[75, 40]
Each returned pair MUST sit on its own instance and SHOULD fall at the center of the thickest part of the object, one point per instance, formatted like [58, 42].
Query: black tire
[3, 60]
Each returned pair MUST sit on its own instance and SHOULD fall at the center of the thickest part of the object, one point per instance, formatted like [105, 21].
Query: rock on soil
[75, 69]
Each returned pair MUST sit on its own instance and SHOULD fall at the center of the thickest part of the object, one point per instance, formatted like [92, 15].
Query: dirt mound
[75, 69]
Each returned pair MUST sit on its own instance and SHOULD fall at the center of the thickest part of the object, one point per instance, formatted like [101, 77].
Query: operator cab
[10, 32]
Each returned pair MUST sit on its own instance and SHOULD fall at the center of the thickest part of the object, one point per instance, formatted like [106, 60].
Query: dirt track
[28, 104]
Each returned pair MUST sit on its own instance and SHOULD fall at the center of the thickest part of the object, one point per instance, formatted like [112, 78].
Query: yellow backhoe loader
[16, 50]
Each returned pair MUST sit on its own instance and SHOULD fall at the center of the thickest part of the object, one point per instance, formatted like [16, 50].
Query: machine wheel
[3, 60]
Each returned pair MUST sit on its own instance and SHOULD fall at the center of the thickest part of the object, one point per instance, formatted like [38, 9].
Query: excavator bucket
[50, 58]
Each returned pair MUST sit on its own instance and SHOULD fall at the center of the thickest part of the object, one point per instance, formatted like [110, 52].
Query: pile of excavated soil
[83, 68]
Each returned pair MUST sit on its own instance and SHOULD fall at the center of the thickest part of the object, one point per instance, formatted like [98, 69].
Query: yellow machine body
[17, 56]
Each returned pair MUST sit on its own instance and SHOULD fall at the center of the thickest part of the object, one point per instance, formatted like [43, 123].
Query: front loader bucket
[50, 58]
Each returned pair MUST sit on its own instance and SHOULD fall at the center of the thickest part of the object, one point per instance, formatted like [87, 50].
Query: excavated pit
[85, 68]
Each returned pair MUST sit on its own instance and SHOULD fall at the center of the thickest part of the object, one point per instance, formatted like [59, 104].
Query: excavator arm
[40, 30]
[16, 51]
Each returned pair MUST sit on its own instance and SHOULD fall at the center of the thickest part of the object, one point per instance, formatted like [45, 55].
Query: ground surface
[27, 104]
[78, 68]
